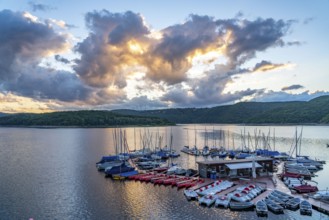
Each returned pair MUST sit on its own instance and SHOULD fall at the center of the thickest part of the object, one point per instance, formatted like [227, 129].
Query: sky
[103, 54]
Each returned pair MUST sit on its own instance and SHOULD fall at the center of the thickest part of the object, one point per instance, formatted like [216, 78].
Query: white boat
[207, 200]
[324, 195]
[190, 194]
[173, 169]
[223, 201]
[214, 188]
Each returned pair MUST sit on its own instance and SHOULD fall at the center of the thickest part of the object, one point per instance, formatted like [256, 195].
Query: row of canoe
[164, 179]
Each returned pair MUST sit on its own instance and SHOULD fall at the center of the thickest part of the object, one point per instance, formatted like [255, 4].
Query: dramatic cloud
[25, 42]
[292, 87]
[249, 37]
[22, 48]
[120, 40]
[39, 7]
[109, 49]
[123, 63]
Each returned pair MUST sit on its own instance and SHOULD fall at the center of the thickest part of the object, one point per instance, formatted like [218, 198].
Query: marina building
[242, 168]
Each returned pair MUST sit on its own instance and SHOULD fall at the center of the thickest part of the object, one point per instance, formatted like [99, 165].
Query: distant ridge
[80, 119]
[315, 111]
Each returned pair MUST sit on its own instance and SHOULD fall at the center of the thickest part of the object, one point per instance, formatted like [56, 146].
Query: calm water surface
[51, 174]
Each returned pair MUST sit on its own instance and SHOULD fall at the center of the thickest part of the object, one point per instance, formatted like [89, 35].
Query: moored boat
[305, 208]
[223, 201]
[207, 200]
[190, 194]
[241, 205]
[261, 208]
[293, 203]
[273, 206]
[305, 188]
[322, 195]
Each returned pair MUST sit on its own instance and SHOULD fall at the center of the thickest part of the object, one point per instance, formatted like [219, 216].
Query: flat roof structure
[226, 162]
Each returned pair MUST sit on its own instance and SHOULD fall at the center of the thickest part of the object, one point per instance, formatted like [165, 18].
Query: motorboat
[190, 194]
[273, 206]
[223, 201]
[261, 208]
[305, 188]
[293, 203]
[241, 205]
[305, 208]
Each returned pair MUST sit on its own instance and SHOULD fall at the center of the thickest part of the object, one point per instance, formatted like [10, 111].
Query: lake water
[51, 174]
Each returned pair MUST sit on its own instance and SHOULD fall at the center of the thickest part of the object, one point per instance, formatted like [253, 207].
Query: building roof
[223, 162]
[247, 165]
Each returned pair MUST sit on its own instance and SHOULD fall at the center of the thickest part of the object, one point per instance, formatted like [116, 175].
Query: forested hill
[313, 111]
[80, 119]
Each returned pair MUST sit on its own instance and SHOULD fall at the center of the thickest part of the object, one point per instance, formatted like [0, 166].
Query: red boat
[135, 177]
[161, 180]
[139, 177]
[170, 180]
[162, 176]
[188, 183]
[306, 188]
[184, 179]
[293, 175]
[148, 178]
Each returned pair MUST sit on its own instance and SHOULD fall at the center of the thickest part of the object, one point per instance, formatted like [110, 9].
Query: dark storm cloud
[24, 42]
[44, 84]
[61, 59]
[39, 7]
[249, 37]
[292, 87]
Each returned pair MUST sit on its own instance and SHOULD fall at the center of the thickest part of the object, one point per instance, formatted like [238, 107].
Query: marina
[133, 198]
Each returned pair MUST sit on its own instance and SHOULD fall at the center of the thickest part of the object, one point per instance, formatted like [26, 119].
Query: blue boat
[123, 168]
[108, 159]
